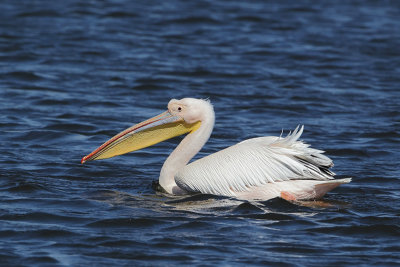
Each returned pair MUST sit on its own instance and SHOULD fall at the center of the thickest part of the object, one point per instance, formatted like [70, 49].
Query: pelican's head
[183, 116]
[191, 110]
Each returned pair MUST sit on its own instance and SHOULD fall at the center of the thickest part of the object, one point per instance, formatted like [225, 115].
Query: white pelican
[256, 169]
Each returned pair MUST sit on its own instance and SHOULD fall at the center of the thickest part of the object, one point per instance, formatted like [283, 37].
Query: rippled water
[74, 73]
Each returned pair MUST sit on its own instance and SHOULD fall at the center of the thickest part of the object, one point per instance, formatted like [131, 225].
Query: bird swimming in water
[260, 168]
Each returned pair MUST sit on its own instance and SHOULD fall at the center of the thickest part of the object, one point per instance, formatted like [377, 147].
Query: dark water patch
[93, 54]
[9, 36]
[39, 13]
[336, 220]
[370, 180]
[10, 259]
[390, 249]
[174, 37]
[66, 116]
[191, 226]
[150, 87]
[359, 230]
[255, 19]
[381, 218]
[8, 233]
[264, 262]
[13, 259]
[10, 125]
[102, 103]
[142, 256]
[40, 217]
[126, 222]
[284, 28]
[41, 234]
[42, 260]
[65, 128]
[35, 88]
[121, 243]
[52, 102]
[271, 217]
[206, 248]
[100, 172]
[297, 249]
[21, 57]
[23, 75]
[395, 114]
[120, 14]
[260, 52]
[155, 80]
[348, 152]
[380, 135]
[301, 9]
[246, 208]
[192, 20]
[37, 135]
[167, 243]
[26, 187]
[203, 73]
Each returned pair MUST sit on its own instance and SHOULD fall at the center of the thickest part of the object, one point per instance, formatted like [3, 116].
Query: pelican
[260, 168]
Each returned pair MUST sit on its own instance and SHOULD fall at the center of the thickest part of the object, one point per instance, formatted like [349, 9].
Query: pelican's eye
[179, 109]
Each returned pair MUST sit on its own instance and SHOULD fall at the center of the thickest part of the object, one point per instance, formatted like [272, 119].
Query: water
[74, 73]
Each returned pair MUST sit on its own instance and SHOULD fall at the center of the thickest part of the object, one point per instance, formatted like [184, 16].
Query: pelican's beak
[144, 134]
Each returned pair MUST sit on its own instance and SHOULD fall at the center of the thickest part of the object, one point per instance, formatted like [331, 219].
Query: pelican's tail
[316, 190]
[326, 186]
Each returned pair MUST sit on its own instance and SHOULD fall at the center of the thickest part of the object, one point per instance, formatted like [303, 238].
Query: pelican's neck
[184, 152]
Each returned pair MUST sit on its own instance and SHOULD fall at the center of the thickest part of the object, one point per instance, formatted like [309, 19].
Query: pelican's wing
[255, 162]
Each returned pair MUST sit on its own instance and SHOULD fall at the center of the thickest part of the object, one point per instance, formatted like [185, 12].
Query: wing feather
[255, 162]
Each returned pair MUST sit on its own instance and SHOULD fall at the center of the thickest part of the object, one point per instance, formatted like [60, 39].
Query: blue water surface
[74, 73]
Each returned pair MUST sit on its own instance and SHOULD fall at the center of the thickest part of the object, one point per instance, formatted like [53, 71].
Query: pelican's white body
[258, 168]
